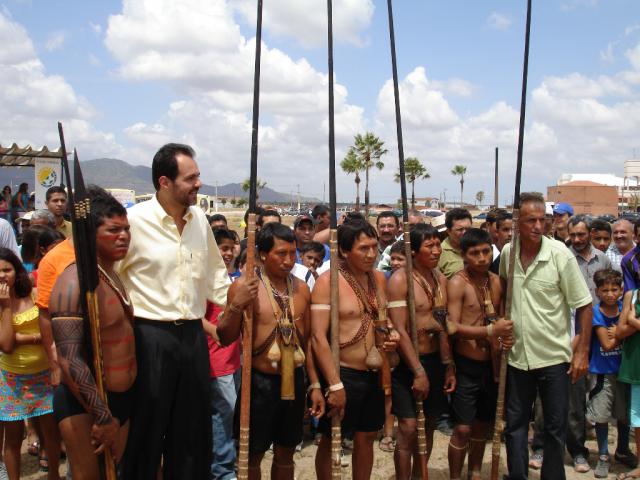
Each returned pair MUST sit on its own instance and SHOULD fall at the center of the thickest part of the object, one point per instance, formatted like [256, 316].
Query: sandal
[43, 462]
[387, 444]
[33, 448]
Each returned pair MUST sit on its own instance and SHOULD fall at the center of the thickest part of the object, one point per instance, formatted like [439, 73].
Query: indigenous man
[458, 221]
[474, 301]
[356, 383]
[88, 424]
[56, 201]
[432, 377]
[280, 332]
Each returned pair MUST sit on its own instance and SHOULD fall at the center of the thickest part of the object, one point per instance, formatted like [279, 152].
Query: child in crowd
[312, 255]
[226, 240]
[397, 257]
[607, 397]
[600, 234]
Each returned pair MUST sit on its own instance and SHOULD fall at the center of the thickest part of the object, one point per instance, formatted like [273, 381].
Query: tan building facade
[586, 197]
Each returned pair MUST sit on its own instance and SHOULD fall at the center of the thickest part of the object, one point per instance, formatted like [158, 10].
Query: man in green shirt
[457, 221]
[547, 284]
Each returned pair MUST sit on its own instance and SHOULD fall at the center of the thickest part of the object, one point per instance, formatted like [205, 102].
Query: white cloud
[96, 27]
[55, 40]
[499, 21]
[607, 54]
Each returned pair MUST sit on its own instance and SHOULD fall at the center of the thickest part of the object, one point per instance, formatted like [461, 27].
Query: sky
[127, 76]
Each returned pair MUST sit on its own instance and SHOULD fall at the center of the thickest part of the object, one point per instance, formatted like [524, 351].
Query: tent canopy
[15, 156]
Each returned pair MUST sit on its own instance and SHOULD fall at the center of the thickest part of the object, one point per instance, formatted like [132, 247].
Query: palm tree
[259, 186]
[413, 170]
[368, 148]
[479, 197]
[351, 164]
[460, 170]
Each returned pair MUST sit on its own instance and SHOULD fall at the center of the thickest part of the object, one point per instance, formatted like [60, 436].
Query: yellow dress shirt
[451, 261]
[169, 276]
[65, 229]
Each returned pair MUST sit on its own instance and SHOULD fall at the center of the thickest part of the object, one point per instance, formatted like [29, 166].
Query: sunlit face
[479, 258]
[504, 233]
[363, 253]
[579, 235]
[532, 222]
[279, 261]
[609, 293]
[397, 261]
[184, 189]
[304, 232]
[113, 237]
[457, 230]
[7, 273]
[429, 253]
[227, 251]
[387, 229]
[600, 239]
[57, 204]
[623, 235]
[312, 260]
[323, 221]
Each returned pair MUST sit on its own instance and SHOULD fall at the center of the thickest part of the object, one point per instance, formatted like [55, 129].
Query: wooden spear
[247, 333]
[336, 433]
[499, 421]
[422, 437]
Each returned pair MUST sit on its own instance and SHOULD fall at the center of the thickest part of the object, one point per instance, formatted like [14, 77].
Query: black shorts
[65, 404]
[476, 391]
[404, 403]
[364, 411]
[272, 419]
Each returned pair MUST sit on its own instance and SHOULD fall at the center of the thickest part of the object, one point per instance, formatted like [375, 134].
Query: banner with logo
[48, 172]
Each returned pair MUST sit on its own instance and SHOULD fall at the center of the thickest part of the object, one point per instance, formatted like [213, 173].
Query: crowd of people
[172, 296]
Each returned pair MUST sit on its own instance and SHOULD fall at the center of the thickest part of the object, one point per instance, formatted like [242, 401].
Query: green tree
[368, 149]
[223, 201]
[241, 202]
[479, 197]
[233, 202]
[413, 170]
[351, 164]
[460, 170]
[259, 186]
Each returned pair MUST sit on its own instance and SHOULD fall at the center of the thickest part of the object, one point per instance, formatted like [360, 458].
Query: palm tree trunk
[413, 195]
[366, 194]
[357, 192]
[461, 192]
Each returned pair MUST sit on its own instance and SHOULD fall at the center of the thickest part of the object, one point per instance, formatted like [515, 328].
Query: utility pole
[216, 196]
[324, 187]
[298, 199]
[495, 187]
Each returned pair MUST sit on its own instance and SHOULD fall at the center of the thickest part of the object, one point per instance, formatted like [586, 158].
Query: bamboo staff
[336, 432]
[247, 332]
[422, 437]
[499, 422]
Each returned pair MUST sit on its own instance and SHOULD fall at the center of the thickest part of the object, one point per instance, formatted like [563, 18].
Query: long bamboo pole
[420, 417]
[247, 333]
[499, 422]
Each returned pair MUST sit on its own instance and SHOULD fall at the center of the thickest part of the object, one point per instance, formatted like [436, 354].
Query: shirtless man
[354, 392]
[277, 297]
[433, 377]
[87, 424]
[474, 300]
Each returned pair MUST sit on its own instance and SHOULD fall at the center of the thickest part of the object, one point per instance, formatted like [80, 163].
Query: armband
[336, 387]
[320, 306]
[490, 330]
[314, 386]
[397, 304]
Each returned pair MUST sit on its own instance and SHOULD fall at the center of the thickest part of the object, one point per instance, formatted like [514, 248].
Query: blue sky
[125, 77]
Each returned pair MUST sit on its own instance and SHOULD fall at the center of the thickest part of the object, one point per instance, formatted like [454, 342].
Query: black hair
[319, 210]
[22, 285]
[271, 231]
[474, 237]
[30, 240]
[316, 247]
[456, 214]
[221, 234]
[607, 276]
[23, 187]
[267, 213]
[354, 226]
[420, 233]
[165, 164]
[240, 260]
[398, 247]
[502, 216]
[600, 225]
[493, 214]
[388, 214]
[55, 189]
[578, 219]
[216, 217]
[48, 237]
[103, 205]
[258, 212]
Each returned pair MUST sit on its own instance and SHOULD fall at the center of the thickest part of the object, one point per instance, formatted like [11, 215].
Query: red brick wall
[596, 200]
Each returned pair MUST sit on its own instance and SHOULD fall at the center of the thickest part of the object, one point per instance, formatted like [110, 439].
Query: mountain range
[114, 173]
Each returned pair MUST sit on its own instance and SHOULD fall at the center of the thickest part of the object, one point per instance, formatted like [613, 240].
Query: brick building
[586, 197]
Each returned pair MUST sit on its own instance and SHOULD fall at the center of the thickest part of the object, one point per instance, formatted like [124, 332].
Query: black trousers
[552, 383]
[171, 418]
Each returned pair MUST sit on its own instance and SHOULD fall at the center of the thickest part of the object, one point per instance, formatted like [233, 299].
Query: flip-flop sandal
[387, 444]
[33, 448]
[628, 475]
[43, 462]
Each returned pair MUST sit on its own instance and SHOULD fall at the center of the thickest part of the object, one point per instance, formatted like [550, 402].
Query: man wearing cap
[304, 229]
[561, 214]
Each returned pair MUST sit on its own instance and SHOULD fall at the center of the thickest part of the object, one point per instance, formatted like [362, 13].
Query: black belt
[165, 323]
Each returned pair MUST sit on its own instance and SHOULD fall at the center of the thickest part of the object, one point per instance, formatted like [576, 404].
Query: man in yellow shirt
[172, 269]
[56, 201]
[457, 221]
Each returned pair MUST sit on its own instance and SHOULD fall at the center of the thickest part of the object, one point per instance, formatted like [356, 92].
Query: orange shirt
[50, 268]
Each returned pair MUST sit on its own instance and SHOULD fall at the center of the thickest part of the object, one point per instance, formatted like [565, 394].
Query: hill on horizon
[115, 173]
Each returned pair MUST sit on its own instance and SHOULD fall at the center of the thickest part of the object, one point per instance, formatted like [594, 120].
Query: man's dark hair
[474, 237]
[267, 213]
[492, 215]
[30, 237]
[315, 247]
[221, 234]
[165, 164]
[607, 276]
[319, 210]
[48, 237]
[502, 216]
[397, 247]
[22, 285]
[217, 217]
[103, 205]
[258, 212]
[456, 214]
[271, 231]
[354, 217]
[578, 219]
[351, 229]
[387, 214]
[420, 233]
[600, 225]
[54, 189]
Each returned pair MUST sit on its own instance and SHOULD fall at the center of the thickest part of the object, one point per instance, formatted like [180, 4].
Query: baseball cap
[562, 208]
[303, 218]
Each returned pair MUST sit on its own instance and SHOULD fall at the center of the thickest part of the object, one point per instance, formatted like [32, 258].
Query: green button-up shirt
[541, 307]
[450, 261]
